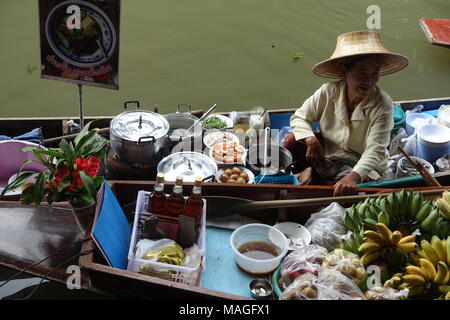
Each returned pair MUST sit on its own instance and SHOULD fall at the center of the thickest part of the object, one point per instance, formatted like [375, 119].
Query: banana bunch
[383, 242]
[405, 211]
[443, 204]
[428, 271]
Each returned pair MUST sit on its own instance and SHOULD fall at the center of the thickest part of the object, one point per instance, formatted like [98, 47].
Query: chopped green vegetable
[214, 123]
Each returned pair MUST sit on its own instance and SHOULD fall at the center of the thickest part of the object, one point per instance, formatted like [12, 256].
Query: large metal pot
[179, 123]
[279, 159]
[138, 136]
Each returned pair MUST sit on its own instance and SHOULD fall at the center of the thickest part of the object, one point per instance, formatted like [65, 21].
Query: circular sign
[90, 45]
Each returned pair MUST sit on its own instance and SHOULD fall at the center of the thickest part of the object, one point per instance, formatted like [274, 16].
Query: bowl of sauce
[258, 248]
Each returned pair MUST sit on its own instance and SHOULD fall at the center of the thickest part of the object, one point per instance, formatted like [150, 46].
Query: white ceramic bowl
[297, 234]
[216, 136]
[251, 176]
[258, 233]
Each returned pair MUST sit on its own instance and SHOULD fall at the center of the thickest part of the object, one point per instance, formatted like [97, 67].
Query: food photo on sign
[80, 41]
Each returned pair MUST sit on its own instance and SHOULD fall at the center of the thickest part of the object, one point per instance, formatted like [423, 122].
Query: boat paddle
[225, 206]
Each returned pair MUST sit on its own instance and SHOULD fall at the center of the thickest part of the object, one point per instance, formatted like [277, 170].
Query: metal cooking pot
[138, 136]
[281, 161]
[179, 123]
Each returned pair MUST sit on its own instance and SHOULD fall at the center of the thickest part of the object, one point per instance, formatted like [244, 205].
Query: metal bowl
[187, 164]
[260, 288]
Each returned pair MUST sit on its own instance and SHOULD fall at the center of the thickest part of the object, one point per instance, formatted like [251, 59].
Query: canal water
[235, 53]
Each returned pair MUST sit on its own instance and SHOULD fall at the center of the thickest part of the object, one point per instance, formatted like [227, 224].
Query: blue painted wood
[221, 271]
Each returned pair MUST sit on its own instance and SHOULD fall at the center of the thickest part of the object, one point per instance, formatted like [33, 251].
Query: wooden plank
[30, 234]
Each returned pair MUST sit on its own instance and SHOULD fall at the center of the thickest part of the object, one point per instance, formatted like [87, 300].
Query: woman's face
[362, 77]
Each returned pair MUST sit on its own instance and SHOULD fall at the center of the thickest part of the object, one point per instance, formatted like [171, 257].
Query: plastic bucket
[433, 141]
[416, 120]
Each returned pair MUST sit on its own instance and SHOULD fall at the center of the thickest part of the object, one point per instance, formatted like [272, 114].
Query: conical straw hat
[359, 43]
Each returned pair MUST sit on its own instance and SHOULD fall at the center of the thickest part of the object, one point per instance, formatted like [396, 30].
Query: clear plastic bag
[411, 146]
[347, 263]
[381, 293]
[416, 109]
[329, 284]
[307, 259]
[326, 226]
[398, 140]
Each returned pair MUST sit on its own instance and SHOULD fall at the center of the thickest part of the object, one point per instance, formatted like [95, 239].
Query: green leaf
[64, 183]
[20, 180]
[82, 133]
[89, 138]
[88, 184]
[27, 196]
[39, 188]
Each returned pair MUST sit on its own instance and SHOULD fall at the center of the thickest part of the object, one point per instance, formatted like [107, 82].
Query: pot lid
[132, 125]
[187, 164]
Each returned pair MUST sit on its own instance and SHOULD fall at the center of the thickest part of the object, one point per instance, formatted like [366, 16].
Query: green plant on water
[297, 56]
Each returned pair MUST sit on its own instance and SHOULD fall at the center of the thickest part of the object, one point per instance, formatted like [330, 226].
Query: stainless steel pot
[138, 136]
[179, 123]
[279, 159]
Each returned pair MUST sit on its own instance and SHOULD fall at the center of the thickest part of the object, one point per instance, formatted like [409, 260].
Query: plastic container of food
[258, 248]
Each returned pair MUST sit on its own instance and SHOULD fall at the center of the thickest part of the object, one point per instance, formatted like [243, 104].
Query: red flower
[81, 164]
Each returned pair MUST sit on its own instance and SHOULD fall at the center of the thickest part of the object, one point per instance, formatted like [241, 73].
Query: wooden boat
[437, 31]
[55, 128]
[28, 234]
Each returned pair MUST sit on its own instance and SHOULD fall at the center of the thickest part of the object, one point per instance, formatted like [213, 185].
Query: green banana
[370, 224]
[418, 199]
[349, 223]
[424, 211]
[385, 206]
[429, 221]
[383, 218]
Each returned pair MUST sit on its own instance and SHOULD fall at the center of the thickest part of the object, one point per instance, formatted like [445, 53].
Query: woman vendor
[354, 115]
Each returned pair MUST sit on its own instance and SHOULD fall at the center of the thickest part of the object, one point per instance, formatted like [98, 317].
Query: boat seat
[12, 157]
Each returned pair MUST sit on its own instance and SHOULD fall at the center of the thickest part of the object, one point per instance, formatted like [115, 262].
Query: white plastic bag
[326, 226]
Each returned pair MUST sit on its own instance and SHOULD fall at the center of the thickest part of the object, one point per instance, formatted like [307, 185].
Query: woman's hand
[314, 152]
[305, 176]
[347, 185]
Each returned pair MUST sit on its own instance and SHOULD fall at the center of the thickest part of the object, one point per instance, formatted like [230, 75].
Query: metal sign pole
[80, 102]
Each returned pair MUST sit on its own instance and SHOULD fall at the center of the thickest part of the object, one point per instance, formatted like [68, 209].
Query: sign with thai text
[80, 41]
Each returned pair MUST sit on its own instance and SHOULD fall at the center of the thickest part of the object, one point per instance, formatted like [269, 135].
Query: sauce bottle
[157, 200]
[194, 204]
[175, 202]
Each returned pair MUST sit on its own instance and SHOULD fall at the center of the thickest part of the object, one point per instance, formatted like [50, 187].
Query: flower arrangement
[72, 171]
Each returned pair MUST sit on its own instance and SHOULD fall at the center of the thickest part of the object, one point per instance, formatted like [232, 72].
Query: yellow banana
[439, 248]
[447, 278]
[375, 236]
[396, 237]
[369, 257]
[423, 255]
[441, 273]
[385, 232]
[444, 289]
[413, 279]
[406, 247]
[410, 238]
[414, 258]
[417, 271]
[448, 251]
[429, 268]
[369, 247]
[415, 290]
[426, 246]
[447, 296]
